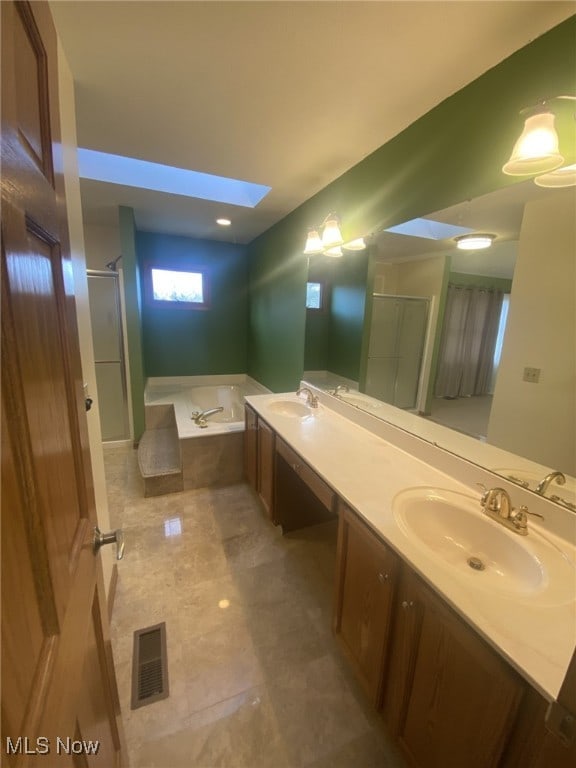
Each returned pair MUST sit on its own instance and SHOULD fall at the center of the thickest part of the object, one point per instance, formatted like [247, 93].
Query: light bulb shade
[536, 151]
[331, 234]
[313, 243]
[474, 242]
[336, 251]
[561, 177]
[355, 245]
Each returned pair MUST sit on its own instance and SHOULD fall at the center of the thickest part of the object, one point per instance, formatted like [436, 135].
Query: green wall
[133, 305]
[347, 315]
[184, 342]
[277, 310]
[333, 337]
[454, 152]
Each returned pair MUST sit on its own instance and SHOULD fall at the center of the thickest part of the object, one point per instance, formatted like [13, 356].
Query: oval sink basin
[452, 528]
[290, 408]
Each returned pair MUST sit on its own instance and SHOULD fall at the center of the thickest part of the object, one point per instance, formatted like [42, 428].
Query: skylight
[428, 229]
[130, 172]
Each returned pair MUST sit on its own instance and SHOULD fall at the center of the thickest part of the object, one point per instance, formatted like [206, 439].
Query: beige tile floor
[256, 679]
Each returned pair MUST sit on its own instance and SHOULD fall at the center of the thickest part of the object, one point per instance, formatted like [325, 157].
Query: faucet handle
[526, 511]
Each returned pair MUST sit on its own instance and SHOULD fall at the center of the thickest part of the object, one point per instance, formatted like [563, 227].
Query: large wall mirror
[485, 366]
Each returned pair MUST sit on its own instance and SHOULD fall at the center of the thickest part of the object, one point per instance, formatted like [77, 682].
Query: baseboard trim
[112, 589]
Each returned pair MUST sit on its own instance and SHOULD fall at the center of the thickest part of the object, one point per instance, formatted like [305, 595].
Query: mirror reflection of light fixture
[330, 242]
[474, 242]
[313, 243]
[355, 245]
[331, 235]
[561, 177]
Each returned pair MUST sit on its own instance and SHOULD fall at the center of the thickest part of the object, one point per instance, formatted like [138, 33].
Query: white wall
[424, 277]
[74, 210]
[102, 245]
[538, 421]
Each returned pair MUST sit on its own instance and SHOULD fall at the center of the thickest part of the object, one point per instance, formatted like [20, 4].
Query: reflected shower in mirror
[496, 379]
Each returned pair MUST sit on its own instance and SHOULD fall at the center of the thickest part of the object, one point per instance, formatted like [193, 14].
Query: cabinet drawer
[318, 487]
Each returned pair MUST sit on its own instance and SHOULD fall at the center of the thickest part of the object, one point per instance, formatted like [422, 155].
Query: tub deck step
[159, 461]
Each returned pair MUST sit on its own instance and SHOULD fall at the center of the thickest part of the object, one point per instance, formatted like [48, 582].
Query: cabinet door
[266, 467]
[451, 700]
[367, 571]
[251, 446]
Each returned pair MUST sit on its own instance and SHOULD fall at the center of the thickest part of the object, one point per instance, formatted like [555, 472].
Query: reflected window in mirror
[315, 296]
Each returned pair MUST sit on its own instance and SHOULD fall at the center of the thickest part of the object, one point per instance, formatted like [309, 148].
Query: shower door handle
[113, 537]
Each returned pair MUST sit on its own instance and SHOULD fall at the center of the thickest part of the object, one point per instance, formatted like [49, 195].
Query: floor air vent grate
[149, 666]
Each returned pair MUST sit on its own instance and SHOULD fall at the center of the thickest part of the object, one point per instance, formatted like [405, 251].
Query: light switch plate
[532, 375]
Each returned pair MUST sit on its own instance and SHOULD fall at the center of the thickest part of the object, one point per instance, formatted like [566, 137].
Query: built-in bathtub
[211, 455]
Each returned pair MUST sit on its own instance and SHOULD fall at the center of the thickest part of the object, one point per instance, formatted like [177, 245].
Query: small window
[177, 287]
[314, 295]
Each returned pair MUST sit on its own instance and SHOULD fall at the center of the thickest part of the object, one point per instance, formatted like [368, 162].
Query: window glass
[313, 295]
[172, 285]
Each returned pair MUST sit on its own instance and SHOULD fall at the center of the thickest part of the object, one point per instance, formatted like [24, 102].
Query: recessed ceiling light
[474, 242]
[223, 222]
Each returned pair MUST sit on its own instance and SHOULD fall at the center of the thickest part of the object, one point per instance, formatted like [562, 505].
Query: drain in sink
[476, 563]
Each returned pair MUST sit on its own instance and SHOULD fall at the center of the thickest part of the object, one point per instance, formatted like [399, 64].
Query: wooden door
[59, 696]
[450, 700]
[365, 593]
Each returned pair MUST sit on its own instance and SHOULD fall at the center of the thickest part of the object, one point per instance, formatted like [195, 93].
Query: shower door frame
[117, 277]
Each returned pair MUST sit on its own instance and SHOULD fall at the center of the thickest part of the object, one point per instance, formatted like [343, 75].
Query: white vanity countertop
[537, 637]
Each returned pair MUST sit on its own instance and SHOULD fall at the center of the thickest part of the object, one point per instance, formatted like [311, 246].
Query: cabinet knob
[407, 603]
[382, 577]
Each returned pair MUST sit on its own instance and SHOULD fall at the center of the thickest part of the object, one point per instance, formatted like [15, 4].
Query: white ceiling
[288, 94]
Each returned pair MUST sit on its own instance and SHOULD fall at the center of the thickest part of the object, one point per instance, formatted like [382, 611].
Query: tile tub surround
[178, 391]
[367, 463]
[210, 456]
[256, 679]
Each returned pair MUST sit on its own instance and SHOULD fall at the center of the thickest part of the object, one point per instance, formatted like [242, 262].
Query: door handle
[113, 537]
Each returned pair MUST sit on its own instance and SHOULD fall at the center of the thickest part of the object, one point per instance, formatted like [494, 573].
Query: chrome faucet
[199, 417]
[542, 486]
[341, 388]
[497, 504]
[311, 399]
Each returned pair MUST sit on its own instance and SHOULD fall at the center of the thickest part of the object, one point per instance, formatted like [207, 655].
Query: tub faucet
[542, 486]
[199, 417]
[311, 399]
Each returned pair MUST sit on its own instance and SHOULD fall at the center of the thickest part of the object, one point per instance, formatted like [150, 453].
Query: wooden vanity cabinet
[447, 698]
[366, 578]
[251, 446]
[450, 699]
[266, 447]
[259, 447]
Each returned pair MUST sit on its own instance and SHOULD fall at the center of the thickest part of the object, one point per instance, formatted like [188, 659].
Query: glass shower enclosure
[107, 335]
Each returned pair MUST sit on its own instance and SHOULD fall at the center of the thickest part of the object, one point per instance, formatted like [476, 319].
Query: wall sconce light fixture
[537, 152]
[330, 242]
